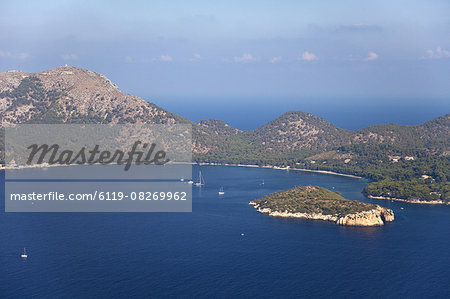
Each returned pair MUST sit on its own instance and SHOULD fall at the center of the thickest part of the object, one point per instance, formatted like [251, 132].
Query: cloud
[166, 58]
[308, 56]
[195, 57]
[14, 55]
[246, 57]
[372, 56]
[129, 59]
[437, 54]
[275, 59]
[69, 57]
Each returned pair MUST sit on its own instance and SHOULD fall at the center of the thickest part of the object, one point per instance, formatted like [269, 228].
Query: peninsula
[313, 202]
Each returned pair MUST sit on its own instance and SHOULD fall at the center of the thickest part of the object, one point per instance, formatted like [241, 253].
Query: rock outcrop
[375, 217]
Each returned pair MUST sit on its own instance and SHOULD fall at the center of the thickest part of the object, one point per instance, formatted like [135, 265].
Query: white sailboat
[262, 183]
[221, 192]
[201, 180]
[24, 254]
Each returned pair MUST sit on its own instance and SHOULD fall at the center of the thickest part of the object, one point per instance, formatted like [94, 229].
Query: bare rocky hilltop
[313, 202]
[74, 95]
[70, 94]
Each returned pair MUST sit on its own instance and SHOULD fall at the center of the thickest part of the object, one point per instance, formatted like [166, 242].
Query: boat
[262, 183]
[190, 182]
[201, 180]
[221, 192]
[24, 255]
[181, 180]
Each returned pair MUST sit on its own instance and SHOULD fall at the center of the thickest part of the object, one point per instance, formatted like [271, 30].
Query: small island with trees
[313, 202]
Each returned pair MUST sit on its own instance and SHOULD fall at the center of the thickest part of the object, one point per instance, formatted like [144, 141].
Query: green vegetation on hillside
[312, 199]
[398, 159]
[409, 174]
[31, 92]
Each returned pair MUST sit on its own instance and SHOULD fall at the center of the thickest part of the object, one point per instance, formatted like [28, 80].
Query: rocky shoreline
[375, 217]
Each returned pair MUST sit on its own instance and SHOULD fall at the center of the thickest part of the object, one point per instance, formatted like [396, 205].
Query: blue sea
[350, 113]
[225, 249]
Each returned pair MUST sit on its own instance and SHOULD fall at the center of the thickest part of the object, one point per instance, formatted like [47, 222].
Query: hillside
[71, 95]
[297, 130]
[219, 127]
[74, 95]
[433, 135]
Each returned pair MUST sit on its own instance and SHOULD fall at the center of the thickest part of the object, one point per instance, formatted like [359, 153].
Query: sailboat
[262, 183]
[201, 180]
[221, 192]
[24, 254]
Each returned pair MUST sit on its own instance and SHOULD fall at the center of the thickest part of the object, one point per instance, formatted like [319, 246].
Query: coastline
[328, 172]
[65, 165]
[434, 202]
[423, 202]
[283, 168]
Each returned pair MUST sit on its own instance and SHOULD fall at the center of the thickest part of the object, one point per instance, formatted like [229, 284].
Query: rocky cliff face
[375, 217]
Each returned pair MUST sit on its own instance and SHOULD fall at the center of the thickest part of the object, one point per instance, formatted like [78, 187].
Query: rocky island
[313, 202]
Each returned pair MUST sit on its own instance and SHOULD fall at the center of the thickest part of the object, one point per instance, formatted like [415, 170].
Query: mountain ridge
[72, 95]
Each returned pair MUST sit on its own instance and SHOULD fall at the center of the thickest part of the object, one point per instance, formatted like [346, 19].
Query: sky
[171, 52]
